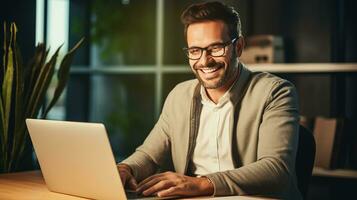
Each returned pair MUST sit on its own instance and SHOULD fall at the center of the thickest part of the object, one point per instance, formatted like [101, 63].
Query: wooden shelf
[304, 67]
[336, 173]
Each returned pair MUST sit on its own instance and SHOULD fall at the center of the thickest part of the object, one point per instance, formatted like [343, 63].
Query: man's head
[214, 42]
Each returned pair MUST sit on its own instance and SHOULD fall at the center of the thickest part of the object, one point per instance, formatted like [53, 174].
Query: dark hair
[212, 11]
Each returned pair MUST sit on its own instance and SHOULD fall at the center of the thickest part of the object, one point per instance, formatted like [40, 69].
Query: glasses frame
[225, 44]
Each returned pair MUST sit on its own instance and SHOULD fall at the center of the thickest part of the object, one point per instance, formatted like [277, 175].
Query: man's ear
[240, 45]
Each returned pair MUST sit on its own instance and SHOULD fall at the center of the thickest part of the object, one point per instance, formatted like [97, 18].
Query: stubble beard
[227, 76]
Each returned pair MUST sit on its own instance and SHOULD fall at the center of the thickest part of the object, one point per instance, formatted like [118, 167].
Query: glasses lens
[217, 50]
[194, 53]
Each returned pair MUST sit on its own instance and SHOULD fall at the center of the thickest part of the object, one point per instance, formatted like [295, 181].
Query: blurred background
[132, 58]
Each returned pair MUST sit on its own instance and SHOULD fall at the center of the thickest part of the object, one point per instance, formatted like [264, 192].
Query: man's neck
[216, 94]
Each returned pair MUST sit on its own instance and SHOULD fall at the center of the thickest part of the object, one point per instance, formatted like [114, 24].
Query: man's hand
[127, 177]
[173, 184]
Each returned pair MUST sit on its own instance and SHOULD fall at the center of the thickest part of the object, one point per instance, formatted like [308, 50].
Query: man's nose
[205, 58]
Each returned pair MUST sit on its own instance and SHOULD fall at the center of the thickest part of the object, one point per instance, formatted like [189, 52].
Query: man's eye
[194, 51]
[216, 48]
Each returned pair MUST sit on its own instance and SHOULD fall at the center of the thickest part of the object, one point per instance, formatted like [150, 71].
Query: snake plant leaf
[18, 151]
[41, 85]
[32, 71]
[19, 94]
[33, 64]
[62, 76]
[2, 116]
[5, 54]
[3, 144]
[2, 113]
[7, 90]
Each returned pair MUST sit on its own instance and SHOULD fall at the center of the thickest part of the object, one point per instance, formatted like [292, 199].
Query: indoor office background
[132, 57]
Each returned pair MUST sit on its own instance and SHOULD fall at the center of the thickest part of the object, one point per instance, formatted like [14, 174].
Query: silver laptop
[76, 159]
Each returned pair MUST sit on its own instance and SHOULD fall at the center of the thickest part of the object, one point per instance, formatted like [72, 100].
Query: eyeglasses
[215, 50]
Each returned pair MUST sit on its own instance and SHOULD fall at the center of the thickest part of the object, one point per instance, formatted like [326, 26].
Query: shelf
[304, 67]
[267, 67]
[336, 173]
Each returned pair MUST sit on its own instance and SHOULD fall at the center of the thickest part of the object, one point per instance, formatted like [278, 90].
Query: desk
[31, 186]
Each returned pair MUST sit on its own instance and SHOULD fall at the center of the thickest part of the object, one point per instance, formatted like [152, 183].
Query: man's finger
[149, 179]
[162, 185]
[172, 191]
[148, 184]
[123, 178]
[132, 184]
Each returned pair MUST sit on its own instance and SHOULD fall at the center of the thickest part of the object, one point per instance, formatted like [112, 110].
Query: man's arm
[155, 149]
[278, 137]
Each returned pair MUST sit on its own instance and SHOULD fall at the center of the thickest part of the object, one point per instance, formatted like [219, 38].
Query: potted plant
[23, 91]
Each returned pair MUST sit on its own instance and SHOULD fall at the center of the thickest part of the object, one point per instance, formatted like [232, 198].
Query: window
[55, 33]
[131, 60]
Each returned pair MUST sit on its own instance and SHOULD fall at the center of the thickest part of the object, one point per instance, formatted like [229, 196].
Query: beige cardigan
[264, 137]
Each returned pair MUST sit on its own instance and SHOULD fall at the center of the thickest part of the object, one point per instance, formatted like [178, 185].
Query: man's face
[212, 72]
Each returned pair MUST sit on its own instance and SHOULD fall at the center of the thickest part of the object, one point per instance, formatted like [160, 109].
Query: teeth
[209, 70]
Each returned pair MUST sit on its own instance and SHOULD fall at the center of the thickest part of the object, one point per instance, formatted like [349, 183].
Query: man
[230, 132]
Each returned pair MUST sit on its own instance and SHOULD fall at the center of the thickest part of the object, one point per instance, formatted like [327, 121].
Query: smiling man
[228, 132]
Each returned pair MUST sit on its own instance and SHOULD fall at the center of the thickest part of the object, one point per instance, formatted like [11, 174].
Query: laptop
[76, 159]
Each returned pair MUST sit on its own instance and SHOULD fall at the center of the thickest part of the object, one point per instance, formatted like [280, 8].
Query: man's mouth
[207, 70]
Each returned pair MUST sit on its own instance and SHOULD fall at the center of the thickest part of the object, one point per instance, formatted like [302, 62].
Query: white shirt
[212, 152]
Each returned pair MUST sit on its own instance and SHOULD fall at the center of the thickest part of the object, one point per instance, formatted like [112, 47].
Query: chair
[305, 158]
